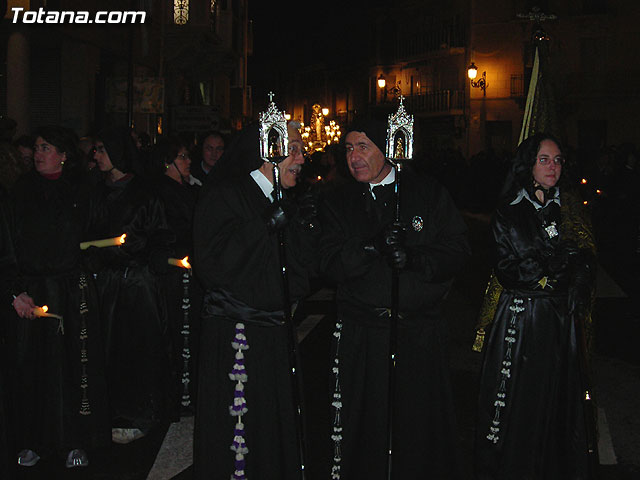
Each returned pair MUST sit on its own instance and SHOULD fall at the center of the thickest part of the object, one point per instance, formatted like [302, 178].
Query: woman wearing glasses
[531, 422]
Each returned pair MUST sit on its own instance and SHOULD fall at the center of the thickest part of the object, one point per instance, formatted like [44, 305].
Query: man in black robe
[245, 392]
[360, 245]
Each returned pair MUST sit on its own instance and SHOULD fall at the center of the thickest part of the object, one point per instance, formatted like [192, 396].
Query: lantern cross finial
[271, 95]
[536, 15]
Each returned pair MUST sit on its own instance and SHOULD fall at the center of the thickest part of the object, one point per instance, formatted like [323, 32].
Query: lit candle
[180, 262]
[43, 311]
[105, 242]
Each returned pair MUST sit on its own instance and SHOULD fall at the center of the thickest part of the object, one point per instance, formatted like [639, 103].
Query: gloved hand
[278, 214]
[307, 215]
[390, 243]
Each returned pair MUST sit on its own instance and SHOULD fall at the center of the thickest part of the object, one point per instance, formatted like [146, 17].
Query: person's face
[291, 166]
[548, 166]
[26, 154]
[182, 162]
[366, 162]
[212, 150]
[47, 158]
[102, 158]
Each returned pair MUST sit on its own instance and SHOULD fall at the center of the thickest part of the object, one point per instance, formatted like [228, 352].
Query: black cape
[237, 260]
[60, 393]
[136, 334]
[425, 439]
[182, 292]
[530, 414]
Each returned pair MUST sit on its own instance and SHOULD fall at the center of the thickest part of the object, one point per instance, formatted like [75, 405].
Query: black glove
[397, 257]
[389, 242]
[307, 215]
[278, 214]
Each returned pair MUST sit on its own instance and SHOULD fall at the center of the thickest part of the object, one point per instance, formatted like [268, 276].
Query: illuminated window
[180, 12]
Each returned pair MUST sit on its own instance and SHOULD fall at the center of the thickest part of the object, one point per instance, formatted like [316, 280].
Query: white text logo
[53, 16]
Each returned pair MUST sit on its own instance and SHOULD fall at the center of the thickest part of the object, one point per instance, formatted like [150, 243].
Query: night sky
[294, 34]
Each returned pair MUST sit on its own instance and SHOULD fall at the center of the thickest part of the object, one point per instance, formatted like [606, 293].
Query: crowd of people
[101, 339]
[102, 230]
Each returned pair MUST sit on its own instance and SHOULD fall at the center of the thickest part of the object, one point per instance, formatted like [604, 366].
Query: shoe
[126, 435]
[77, 458]
[28, 458]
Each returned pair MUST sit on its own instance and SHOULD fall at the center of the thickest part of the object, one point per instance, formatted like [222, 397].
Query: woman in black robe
[133, 310]
[182, 292]
[60, 397]
[245, 419]
[531, 423]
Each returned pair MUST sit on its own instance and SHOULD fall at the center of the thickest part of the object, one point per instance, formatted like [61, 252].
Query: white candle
[105, 242]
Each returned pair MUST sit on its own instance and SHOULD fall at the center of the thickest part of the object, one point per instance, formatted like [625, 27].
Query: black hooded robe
[138, 352]
[425, 436]
[58, 407]
[182, 292]
[237, 260]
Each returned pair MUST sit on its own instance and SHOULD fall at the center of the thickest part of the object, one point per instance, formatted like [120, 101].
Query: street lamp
[381, 81]
[481, 83]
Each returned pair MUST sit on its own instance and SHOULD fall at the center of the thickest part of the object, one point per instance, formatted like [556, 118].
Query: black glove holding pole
[280, 213]
[389, 243]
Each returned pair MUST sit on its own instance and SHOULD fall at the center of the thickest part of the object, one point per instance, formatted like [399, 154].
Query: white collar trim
[390, 178]
[524, 194]
[263, 182]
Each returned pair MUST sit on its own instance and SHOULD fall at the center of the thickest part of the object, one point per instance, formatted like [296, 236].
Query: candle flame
[45, 308]
[583, 181]
[185, 262]
[122, 238]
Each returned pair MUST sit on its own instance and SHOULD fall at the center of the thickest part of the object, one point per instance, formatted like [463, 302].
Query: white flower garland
[337, 405]
[510, 339]
[186, 332]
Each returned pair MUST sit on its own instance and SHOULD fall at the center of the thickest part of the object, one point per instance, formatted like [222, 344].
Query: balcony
[448, 39]
[440, 102]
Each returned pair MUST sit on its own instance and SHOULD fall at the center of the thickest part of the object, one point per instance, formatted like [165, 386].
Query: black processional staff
[588, 405]
[274, 147]
[399, 148]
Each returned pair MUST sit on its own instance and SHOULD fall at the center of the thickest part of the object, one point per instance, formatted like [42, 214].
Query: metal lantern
[399, 135]
[274, 138]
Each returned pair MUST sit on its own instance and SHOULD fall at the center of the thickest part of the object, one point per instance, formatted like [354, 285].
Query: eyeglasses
[183, 156]
[547, 161]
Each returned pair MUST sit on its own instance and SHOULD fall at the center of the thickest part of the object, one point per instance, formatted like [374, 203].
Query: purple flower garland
[239, 407]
